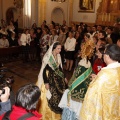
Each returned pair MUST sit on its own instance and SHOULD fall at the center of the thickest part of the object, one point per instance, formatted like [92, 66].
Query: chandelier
[60, 1]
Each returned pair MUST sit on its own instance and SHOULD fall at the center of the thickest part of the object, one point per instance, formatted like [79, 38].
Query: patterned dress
[53, 75]
[73, 97]
[44, 45]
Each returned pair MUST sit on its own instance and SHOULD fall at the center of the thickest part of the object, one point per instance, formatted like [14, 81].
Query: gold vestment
[102, 100]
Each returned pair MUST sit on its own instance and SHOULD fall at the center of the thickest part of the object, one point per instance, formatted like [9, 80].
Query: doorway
[57, 15]
[10, 14]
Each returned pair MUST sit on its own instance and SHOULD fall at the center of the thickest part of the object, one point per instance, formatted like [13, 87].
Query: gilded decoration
[86, 5]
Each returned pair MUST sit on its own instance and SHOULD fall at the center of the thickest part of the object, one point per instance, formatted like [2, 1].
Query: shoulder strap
[6, 115]
[27, 115]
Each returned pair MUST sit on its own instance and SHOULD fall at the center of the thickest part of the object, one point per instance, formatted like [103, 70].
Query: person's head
[73, 28]
[88, 29]
[71, 34]
[56, 48]
[64, 22]
[99, 28]
[118, 42]
[27, 97]
[19, 35]
[101, 42]
[100, 52]
[95, 39]
[51, 26]
[34, 25]
[39, 30]
[62, 30]
[32, 31]
[54, 32]
[94, 29]
[86, 37]
[111, 54]
[45, 31]
[26, 31]
[80, 29]
[77, 34]
[57, 26]
[109, 30]
[101, 34]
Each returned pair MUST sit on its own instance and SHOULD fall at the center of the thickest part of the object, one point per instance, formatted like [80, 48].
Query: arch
[57, 15]
[10, 14]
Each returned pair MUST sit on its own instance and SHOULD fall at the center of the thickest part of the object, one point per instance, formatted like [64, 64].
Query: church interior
[35, 15]
[25, 13]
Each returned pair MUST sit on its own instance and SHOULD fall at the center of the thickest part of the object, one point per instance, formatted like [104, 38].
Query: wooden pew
[5, 52]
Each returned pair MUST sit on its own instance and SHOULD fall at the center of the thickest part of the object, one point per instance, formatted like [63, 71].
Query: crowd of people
[35, 40]
[93, 53]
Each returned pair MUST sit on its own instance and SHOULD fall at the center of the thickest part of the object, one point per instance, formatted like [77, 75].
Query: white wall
[6, 4]
[1, 13]
[77, 16]
[50, 6]
[34, 12]
[84, 17]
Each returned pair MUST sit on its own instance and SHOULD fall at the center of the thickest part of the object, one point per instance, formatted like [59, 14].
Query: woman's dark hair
[55, 45]
[27, 97]
[62, 29]
[101, 49]
[113, 51]
[71, 32]
[46, 30]
[24, 31]
[54, 30]
[103, 33]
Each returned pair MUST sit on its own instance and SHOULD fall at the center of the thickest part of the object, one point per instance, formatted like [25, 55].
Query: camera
[5, 81]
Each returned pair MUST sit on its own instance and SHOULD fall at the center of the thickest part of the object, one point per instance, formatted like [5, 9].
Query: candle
[102, 16]
[105, 16]
[109, 17]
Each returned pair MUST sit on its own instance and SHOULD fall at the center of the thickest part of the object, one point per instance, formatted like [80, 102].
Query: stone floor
[25, 73]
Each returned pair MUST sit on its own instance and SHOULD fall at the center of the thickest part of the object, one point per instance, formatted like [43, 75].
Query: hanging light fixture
[60, 1]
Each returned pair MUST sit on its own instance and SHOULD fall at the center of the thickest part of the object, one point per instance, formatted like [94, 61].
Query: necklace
[69, 40]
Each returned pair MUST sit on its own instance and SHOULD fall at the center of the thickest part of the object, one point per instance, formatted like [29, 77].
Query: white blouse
[25, 39]
[70, 44]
